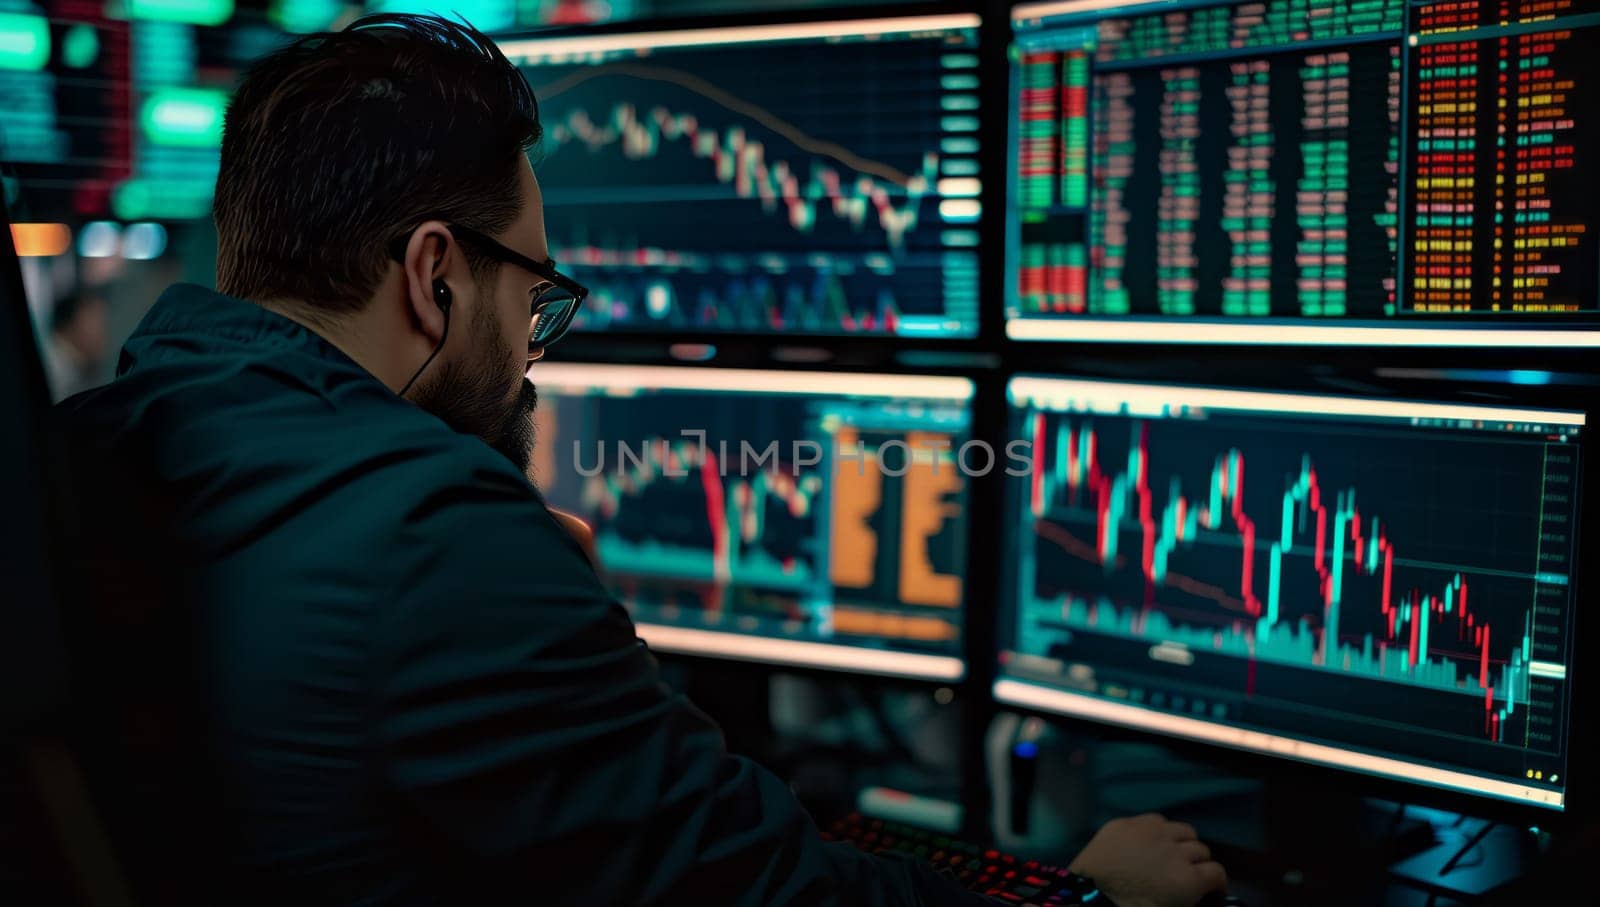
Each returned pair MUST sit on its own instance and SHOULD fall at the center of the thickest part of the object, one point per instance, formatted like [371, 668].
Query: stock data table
[1258, 167]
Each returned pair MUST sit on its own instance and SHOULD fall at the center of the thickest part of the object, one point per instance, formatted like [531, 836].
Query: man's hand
[1150, 862]
[579, 530]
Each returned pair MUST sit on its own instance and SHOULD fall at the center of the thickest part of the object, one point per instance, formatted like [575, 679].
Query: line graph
[755, 112]
[740, 162]
[836, 194]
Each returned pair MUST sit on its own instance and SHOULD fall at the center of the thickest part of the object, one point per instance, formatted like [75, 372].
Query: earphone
[442, 299]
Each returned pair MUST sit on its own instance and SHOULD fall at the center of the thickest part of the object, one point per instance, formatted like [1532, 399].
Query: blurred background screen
[110, 128]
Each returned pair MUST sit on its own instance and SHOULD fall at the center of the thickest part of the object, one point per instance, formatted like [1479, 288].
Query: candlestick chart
[1342, 576]
[835, 194]
[810, 517]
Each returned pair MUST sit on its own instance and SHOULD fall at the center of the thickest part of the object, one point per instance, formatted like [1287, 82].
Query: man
[315, 559]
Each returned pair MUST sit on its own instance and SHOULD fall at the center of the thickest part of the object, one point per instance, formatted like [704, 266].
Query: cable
[1472, 844]
[1396, 819]
[443, 336]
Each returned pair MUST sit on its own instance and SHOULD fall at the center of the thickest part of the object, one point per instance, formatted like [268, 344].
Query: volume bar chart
[1299, 562]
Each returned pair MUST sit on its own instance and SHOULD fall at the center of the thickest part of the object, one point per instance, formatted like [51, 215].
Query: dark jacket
[345, 655]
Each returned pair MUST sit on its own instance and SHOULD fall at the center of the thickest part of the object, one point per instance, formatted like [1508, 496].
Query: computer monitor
[806, 518]
[32, 653]
[1378, 586]
[1306, 171]
[815, 177]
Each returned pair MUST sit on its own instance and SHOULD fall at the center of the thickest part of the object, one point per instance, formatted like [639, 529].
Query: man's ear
[427, 294]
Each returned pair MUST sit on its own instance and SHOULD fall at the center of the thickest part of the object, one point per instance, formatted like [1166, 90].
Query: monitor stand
[1298, 838]
[1284, 838]
[1307, 844]
[1332, 838]
[1328, 842]
[736, 695]
[833, 737]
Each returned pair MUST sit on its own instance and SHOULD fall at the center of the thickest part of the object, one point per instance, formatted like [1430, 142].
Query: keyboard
[979, 869]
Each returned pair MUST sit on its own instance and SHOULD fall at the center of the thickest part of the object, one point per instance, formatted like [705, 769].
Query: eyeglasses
[555, 304]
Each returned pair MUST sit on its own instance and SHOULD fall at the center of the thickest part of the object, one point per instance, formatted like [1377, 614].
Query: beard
[482, 400]
[515, 442]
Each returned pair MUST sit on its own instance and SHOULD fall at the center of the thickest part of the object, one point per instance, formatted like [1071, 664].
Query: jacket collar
[187, 313]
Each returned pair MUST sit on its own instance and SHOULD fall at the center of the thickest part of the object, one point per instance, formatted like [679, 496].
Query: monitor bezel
[1565, 392]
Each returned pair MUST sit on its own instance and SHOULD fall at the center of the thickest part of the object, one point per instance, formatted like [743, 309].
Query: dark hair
[341, 141]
